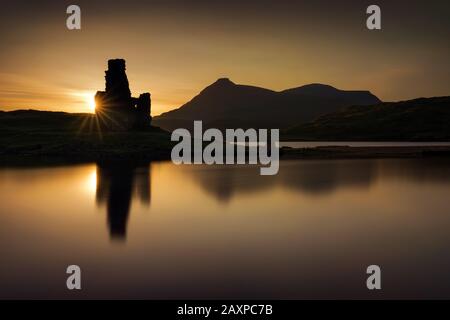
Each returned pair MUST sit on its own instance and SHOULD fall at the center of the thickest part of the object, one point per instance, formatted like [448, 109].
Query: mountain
[413, 120]
[225, 104]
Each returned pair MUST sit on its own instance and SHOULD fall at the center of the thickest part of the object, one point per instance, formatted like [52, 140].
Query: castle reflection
[117, 185]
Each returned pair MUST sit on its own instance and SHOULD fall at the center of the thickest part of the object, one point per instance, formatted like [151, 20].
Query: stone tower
[115, 108]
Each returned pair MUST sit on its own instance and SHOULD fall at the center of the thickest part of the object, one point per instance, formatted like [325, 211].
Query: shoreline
[286, 153]
[371, 152]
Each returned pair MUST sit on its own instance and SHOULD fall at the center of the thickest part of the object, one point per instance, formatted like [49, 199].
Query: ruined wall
[116, 109]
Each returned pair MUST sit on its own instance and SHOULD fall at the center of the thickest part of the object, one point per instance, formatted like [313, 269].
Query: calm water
[166, 231]
[312, 144]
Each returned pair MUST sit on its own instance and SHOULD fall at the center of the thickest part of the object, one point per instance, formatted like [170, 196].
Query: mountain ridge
[225, 104]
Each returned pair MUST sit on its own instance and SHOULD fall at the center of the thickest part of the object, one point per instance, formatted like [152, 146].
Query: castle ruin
[115, 108]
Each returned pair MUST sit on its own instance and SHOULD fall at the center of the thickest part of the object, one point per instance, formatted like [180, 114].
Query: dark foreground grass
[28, 137]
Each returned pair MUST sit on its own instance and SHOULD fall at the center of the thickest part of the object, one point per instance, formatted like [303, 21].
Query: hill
[225, 104]
[30, 136]
[423, 119]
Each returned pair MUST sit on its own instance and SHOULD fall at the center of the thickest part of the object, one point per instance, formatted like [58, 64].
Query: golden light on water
[91, 181]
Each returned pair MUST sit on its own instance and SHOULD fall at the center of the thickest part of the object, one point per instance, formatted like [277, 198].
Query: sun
[86, 99]
[91, 102]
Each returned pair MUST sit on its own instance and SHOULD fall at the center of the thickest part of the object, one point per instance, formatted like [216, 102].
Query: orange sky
[175, 50]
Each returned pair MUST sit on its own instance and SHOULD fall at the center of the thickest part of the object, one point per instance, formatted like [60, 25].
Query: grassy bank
[55, 137]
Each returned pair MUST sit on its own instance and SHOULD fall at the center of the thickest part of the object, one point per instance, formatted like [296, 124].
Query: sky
[173, 49]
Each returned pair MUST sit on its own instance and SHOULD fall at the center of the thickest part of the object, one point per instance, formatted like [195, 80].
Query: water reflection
[315, 177]
[117, 184]
[209, 229]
